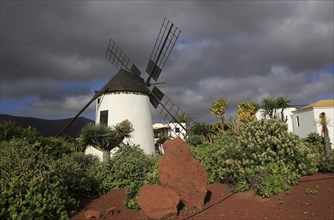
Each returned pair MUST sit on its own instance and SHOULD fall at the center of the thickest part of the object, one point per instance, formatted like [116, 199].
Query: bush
[72, 171]
[37, 185]
[194, 140]
[326, 162]
[275, 157]
[264, 157]
[131, 168]
[10, 130]
[315, 142]
[210, 156]
[30, 187]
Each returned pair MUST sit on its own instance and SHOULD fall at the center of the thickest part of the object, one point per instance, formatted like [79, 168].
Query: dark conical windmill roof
[125, 81]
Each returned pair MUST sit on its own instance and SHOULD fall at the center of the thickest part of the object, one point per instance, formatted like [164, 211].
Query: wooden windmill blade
[97, 94]
[167, 109]
[118, 58]
[163, 46]
[75, 117]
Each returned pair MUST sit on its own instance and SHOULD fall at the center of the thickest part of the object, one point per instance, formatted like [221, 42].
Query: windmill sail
[76, 116]
[118, 58]
[168, 110]
[97, 94]
[163, 46]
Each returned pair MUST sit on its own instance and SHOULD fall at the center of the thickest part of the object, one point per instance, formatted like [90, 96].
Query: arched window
[298, 125]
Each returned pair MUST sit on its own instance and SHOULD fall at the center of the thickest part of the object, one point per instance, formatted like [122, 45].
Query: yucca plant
[105, 138]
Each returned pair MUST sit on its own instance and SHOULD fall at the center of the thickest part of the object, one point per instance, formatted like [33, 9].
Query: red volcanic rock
[112, 210]
[92, 214]
[181, 172]
[158, 202]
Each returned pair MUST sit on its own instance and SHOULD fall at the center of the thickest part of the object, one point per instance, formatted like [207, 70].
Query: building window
[98, 100]
[298, 125]
[104, 117]
[177, 130]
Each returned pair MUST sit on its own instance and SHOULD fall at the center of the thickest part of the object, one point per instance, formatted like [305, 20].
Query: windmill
[128, 96]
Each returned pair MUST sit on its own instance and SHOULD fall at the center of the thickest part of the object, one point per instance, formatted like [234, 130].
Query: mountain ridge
[48, 127]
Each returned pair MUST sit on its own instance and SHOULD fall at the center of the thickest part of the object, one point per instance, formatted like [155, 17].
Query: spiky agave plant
[105, 138]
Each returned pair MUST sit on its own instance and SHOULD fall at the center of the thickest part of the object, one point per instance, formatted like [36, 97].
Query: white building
[288, 114]
[305, 119]
[171, 130]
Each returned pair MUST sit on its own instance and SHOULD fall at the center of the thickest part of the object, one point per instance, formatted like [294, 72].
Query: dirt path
[312, 198]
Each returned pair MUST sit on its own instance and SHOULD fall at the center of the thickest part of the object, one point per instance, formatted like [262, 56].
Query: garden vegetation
[47, 177]
[259, 155]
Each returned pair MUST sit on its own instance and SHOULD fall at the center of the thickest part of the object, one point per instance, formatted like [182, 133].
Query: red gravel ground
[312, 198]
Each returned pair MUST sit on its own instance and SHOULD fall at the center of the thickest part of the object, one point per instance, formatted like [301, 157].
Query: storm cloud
[52, 52]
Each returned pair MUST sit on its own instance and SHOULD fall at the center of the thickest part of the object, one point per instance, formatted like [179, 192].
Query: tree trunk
[282, 116]
[327, 143]
[222, 125]
[106, 155]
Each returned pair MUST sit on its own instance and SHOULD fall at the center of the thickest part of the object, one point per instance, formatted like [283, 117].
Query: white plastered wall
[288, 113]
[303, 123]
[308, 124]
[134, 107]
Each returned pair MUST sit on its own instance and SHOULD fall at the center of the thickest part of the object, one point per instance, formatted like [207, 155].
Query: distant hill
[48, 127]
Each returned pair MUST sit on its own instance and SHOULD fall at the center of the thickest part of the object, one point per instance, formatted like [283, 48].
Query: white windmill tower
[127, 95]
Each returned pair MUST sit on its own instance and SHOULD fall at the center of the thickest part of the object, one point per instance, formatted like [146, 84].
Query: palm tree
[105, 138]
[203, 131]
[269, 106]
[324, 122]
[283, 103]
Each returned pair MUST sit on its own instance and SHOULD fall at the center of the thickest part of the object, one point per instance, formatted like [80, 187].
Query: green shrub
[194, 140]
[266, 146]
[210, 156]
[315, 142]
[264, 157]
[130, 170]
[37, 185]
[10, 130]
[205, 155]
[130, 165]
[326, 162]
[54, 147]
[72, 171]
[101, 173]
[30, 187]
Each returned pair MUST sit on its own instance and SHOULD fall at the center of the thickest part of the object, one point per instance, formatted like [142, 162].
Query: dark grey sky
[52, 52]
